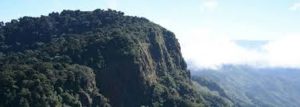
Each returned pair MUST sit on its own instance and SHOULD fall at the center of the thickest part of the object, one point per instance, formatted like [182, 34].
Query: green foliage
[45, 83]
[93, 58]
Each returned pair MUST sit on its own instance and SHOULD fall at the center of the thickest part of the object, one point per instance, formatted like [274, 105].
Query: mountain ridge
[94, 58]
[248, 86]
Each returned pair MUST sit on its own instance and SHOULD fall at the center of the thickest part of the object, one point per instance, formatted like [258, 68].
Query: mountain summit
[94, 58]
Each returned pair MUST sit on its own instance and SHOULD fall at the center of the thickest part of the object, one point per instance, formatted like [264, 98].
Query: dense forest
[97, 58]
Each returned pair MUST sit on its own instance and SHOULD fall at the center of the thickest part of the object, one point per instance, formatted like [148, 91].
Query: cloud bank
[284, 52]
[201, 49]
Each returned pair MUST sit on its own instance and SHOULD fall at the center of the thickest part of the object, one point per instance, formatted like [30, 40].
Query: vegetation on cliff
[94, 58]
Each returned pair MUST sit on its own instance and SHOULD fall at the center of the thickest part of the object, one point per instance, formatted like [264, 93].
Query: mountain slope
[94, 58]
[253, 87]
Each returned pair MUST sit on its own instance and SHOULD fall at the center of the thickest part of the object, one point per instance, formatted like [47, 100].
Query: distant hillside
[97, 58]
[253, 87]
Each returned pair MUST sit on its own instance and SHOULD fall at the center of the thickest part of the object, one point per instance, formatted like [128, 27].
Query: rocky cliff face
[153, 67]
[94, 58]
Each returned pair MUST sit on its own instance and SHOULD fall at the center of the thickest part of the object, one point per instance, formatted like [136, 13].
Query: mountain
[94, 58]
[253, 87]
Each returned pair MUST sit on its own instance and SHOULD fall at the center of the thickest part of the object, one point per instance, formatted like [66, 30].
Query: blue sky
[207, 26]
[238, 19]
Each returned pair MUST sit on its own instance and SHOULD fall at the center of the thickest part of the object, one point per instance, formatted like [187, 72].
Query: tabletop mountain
[94, 58]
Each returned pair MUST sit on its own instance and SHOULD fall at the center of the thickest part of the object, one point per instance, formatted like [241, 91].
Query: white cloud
[201, 49]
[295, 6]
[210, 5]
[284, 52]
